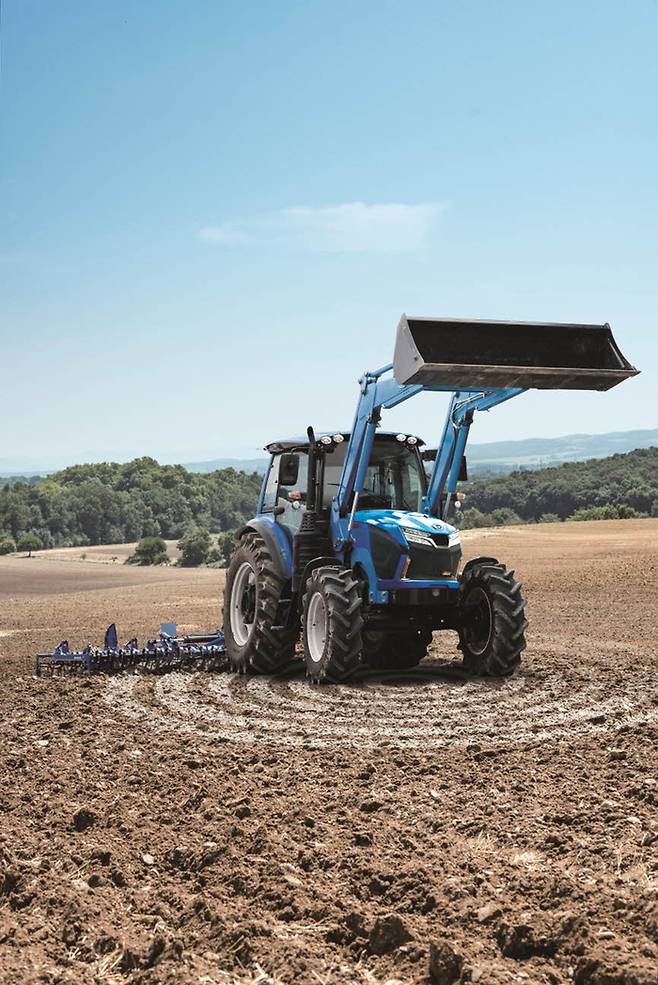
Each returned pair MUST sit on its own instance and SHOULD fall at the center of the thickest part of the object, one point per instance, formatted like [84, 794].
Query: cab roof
[301, 441]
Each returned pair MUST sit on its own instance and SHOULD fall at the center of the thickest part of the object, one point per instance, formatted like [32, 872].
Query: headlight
[414, 536]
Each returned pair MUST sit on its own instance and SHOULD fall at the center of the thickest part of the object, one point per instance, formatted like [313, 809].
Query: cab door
[286, 489]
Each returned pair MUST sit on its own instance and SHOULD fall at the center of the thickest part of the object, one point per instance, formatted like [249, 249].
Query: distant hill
[493, 456]
[501, 456]
[533, 453]
[248, 465]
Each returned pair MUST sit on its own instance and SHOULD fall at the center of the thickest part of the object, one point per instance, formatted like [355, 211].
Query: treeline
[109, 503]
[621, 486]
[9, 480]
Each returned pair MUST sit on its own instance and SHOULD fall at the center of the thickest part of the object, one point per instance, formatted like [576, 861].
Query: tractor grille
[433, 562]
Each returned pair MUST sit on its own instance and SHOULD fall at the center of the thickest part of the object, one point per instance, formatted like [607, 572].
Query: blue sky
[213, 214]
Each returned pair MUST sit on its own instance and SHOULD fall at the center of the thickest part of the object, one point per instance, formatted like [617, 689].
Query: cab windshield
[395, 479]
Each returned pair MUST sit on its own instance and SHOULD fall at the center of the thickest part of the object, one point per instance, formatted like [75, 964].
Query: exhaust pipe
[473, 355]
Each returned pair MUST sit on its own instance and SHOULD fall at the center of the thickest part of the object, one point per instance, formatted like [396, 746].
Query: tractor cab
[386, 534]
[394, 481]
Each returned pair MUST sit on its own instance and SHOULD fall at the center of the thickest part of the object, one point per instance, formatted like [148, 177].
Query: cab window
[291, 498]
[393, 480]
[334, 458]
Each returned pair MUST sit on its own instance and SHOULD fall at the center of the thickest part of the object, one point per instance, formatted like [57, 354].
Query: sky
[214, 213]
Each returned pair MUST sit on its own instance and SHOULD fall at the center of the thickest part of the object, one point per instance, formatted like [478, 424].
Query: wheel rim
[479, 621]
[243, 603]
[316, 627]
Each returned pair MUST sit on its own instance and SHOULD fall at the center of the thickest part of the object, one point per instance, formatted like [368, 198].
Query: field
[102, 554]
[433, 828]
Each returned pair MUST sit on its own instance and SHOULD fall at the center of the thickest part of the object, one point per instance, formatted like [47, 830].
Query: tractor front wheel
[492, 619]
[252, 610]
[332, 623]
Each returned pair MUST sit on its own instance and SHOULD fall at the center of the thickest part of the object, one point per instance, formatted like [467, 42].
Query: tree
[194, 547]
[29, 542]
[226, 545]
[470, 518]
[504, 516]
[608, 512]
[7, 544]
[150, 550]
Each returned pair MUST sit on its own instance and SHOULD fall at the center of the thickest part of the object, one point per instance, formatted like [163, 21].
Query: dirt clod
[614, 969]
[523, 941]
[445, 964]
[84, 818]
[488, 912]
[387, 934]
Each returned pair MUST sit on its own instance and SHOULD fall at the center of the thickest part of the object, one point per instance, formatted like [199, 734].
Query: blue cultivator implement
[166, 653]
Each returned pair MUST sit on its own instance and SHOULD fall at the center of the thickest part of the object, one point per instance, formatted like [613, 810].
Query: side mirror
[463, 471]
[288, 469]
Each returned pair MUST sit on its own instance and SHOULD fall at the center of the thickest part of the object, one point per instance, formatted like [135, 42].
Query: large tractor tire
[252, 610]
[395, 651]
[492, 618]
[332, 624]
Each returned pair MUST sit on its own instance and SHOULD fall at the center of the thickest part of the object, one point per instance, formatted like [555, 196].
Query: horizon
[30, 468]
[189, 249]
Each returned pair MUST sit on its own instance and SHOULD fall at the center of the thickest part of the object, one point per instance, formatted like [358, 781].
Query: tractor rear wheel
[492, 618]
[395, 651]
[252, 609]
[332, 623]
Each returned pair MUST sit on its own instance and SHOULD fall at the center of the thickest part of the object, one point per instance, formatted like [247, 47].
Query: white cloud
[350, 228]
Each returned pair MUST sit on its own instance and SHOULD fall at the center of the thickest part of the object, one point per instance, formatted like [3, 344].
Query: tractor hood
[408, 547]
[391, 521]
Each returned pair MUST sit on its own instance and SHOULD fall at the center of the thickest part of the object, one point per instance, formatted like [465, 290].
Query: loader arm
[379, 394]
[376, 394]
[482, 363]
[445, 471]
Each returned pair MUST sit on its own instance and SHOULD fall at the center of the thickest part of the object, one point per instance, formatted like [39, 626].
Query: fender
[317, 562]
[278, 542]
[478, 560]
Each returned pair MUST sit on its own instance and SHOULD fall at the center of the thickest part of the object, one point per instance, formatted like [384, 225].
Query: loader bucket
[473, 355]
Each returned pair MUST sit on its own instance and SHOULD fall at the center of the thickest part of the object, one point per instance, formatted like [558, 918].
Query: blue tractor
[352, 548]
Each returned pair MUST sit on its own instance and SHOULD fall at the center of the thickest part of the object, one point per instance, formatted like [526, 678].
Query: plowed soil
[431, 827]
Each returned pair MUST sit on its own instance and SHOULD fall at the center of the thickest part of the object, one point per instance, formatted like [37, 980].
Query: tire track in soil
[436, 706]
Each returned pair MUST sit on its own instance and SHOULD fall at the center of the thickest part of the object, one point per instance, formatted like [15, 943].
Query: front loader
[351, 547]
